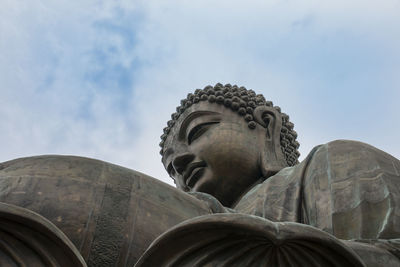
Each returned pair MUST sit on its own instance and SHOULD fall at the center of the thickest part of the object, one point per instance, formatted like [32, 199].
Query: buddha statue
[242, 198]
[230, 144]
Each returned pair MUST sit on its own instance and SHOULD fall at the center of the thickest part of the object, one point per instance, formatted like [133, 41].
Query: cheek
[228, 149]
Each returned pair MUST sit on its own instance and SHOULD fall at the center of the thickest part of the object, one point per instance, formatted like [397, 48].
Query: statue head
[225, 139]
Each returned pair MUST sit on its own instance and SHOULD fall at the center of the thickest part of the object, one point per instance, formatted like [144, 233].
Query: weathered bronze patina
[110, 213]
[244, 199]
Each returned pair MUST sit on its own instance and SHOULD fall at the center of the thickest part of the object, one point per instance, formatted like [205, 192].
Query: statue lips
[193, 172]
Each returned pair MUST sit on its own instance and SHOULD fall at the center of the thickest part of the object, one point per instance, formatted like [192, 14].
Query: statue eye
[198, 130]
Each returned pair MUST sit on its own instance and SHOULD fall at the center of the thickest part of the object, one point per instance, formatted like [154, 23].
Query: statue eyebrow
[191, 117]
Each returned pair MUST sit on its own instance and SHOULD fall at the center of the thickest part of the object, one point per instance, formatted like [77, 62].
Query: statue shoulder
[345, 158]
[354, 149]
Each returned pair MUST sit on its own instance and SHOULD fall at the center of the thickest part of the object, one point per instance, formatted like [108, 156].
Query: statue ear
[272, 160]
[269, 118]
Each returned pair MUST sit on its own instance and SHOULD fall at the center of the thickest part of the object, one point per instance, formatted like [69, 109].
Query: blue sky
[100, 80]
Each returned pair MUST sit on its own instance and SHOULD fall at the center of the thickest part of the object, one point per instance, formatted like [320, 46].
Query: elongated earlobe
[272, 159]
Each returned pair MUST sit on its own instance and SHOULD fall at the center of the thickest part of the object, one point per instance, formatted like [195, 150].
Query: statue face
[211, 149]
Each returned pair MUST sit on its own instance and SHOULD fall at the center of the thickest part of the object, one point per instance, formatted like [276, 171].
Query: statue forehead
[205, 107]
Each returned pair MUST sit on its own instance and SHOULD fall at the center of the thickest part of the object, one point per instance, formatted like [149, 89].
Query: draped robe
[346, 188]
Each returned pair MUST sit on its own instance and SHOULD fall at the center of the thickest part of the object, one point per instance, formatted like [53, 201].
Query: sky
[100, 79]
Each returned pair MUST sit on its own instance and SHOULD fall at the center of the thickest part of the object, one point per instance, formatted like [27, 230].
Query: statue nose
[181, 161]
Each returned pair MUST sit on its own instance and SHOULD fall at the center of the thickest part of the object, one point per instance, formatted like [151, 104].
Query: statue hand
[245, 240]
